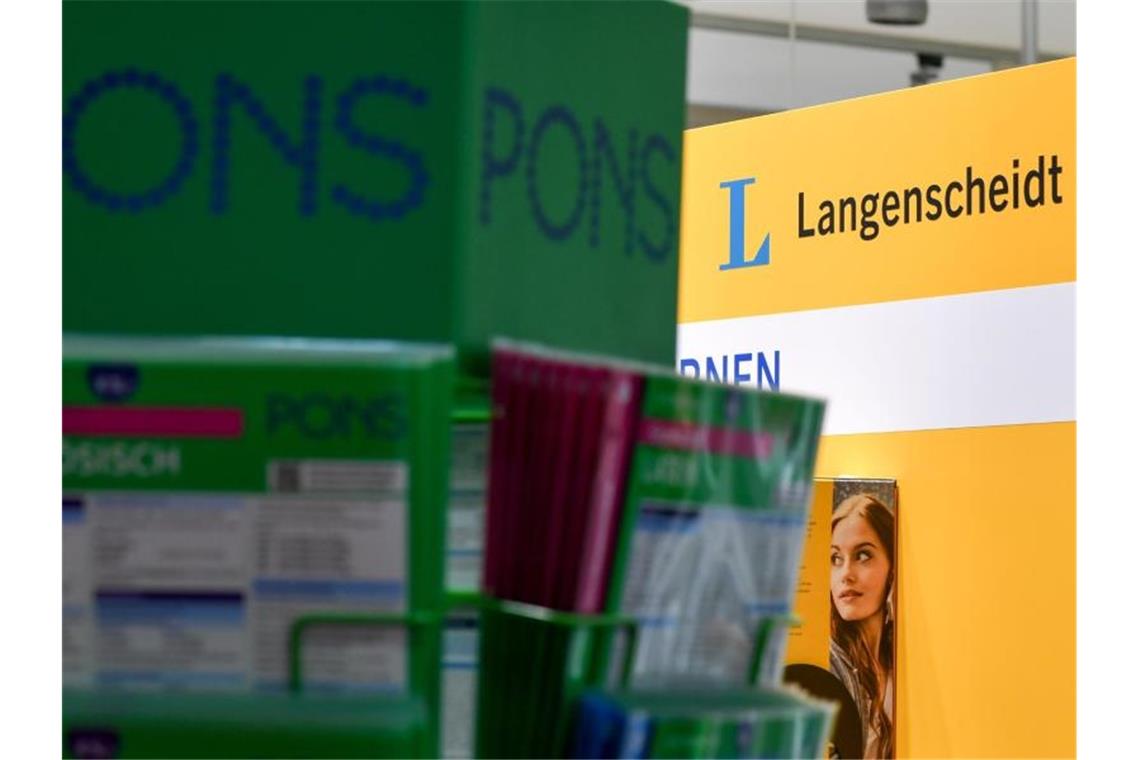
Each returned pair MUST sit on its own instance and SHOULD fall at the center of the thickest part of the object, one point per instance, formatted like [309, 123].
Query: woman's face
[859, 569]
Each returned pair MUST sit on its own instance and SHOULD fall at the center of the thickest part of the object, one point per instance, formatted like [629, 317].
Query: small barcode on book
[286, 477]
[337, 476]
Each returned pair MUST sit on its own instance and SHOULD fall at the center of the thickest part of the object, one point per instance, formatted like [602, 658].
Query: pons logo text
[324, 416]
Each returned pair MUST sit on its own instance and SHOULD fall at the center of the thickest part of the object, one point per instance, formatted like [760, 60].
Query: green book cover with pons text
[216, 490]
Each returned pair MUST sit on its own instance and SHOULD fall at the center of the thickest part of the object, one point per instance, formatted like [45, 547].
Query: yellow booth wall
[945, 347]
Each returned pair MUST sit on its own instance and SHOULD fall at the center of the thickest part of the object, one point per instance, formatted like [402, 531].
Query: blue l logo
[736, 258]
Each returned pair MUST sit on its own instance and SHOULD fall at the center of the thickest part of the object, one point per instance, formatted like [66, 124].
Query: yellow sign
[911, 258]
[904, 195]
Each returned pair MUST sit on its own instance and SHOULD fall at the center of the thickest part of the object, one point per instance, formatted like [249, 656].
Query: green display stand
[125, 725]
[297, 724]
[706, 721]
[426, 171]
[533, 664]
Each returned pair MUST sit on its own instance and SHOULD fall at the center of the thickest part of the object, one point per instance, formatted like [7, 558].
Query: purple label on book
[72, 509]
[93, 743]
[113, 382]
[153, 422]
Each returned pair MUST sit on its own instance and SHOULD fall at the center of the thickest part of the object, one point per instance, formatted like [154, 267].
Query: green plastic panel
[126, 725]
[437, 171]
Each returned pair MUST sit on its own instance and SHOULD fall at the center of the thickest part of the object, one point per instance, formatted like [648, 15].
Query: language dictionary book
[214, 490]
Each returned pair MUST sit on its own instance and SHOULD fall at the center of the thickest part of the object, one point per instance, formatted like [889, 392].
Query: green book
[215, 490]
[713, 529]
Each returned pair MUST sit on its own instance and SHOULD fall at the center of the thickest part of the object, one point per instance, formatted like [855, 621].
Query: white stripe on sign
[1000, 357]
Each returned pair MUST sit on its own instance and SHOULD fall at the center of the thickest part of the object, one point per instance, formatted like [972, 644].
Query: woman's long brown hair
[871, 669]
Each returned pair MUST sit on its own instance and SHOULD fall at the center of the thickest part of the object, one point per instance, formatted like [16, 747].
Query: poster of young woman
[844, 647]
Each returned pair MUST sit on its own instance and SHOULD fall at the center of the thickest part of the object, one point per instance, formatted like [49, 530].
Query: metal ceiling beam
[1001, 57]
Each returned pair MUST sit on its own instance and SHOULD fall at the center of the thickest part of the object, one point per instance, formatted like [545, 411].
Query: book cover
[569, 435]
[216, 489]
[713, 527]
[622, 400]
[584, 462]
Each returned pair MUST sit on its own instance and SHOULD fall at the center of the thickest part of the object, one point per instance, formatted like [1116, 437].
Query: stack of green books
[533, 664]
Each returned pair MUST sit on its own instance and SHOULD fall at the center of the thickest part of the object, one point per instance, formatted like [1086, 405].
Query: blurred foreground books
[643, 529]
[218, 490]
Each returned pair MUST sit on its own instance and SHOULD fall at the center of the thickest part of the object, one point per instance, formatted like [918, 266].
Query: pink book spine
[608, 489]
[494, 520]
[562, 450]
